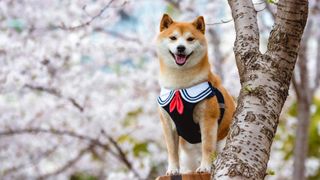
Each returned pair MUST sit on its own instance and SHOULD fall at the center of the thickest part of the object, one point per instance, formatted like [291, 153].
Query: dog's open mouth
[180, 59]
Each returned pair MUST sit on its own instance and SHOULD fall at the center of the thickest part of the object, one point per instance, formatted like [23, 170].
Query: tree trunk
[304, 95]
[301, 145]
[265, 80]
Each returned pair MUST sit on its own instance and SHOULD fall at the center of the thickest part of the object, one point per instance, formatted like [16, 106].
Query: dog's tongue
[181, 59]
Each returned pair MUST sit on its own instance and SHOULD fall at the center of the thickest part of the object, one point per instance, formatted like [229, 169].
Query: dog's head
[181, 44]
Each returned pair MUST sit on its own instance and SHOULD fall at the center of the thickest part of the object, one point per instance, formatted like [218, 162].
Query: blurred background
[78, 87]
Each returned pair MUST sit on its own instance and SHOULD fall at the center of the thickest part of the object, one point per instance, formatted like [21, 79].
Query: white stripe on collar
[192, 94]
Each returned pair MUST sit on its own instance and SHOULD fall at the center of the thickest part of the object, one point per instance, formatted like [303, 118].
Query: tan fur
[207, 112]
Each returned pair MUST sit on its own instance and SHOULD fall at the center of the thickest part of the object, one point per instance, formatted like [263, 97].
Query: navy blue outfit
[181, 109]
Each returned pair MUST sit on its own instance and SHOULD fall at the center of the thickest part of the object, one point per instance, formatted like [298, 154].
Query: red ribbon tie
[177, 103]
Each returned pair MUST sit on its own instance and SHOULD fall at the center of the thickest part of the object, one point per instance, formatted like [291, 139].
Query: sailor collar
[191, 94]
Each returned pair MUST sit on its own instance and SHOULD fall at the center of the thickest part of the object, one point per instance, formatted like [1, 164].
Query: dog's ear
[199, 24]
[166, 21]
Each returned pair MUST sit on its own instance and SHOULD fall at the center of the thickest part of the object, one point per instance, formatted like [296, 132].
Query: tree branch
[246, 45]
[304, 98]
[286, 34]
[121, 36]
[296, 85]
[71, 28]
[67, 165]
[91, 140]
[55, 93]
[220, 22]
[303, 68]
[34, 161]
[317, 78]
[122, 155]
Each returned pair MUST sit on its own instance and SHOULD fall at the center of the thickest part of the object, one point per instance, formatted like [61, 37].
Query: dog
[195, 110]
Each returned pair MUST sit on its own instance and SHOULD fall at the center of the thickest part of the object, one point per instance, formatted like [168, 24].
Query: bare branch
[120, 36]
[122, 155]
[296, 85]
[220, 22]
[71, 28]
[69, 164]
[302, 88]
[76, 104]
[303, 68]
[176, 5]
[56, 93]
[91, 140]
[44, 89]
[317, 78]
[33, 162]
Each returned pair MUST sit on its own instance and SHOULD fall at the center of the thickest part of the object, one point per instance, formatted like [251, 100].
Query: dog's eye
[190, 39]
[173, 38]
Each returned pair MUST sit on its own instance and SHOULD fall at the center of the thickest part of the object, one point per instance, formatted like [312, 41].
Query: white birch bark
[265, 80]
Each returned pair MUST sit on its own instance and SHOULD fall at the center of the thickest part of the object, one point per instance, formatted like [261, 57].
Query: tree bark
[301, 142]
[218, 60]
[265, 80]
[304, 98]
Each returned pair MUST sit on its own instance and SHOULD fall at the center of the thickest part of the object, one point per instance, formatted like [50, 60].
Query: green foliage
[131, 117]
[135, 113]
[288, 146]
[271, 1]
[16, 24]
[315, 177]
[314, 135]
[213, 155]
[170, 9]
[140, 149]
[248, 89]
[293, 110]
[85, 59]
[125, 138]
[270, 172]
[82, 176]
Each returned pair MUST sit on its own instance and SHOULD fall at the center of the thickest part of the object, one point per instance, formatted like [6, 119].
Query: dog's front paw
[204, 169]
[172, 171]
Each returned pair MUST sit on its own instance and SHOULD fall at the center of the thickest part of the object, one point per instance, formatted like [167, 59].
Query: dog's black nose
[181, 48]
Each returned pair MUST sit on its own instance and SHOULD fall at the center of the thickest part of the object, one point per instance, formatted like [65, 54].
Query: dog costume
[180, 105]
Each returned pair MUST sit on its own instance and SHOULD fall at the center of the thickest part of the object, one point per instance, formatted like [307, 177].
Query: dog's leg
[209, 130]
[172, 141]
[189, 156]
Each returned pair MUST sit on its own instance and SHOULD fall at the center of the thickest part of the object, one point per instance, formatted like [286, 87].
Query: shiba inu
[195, 110]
